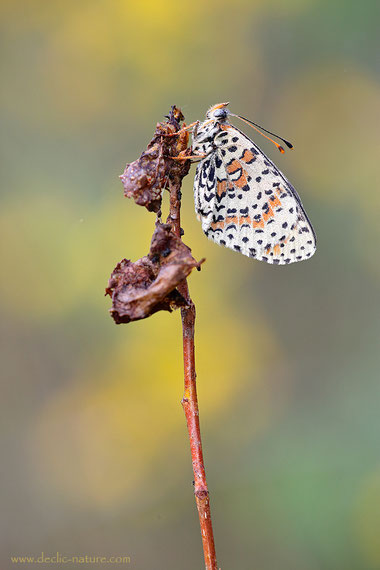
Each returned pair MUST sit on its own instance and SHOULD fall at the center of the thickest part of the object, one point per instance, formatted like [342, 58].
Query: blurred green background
[94, 453]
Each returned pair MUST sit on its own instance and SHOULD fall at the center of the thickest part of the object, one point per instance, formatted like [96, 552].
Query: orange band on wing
[259, 224]
[268, 214]
[274, 201]
[221, 187]
[247, 156]
[234, 166]
[242, 180]
[220, 225]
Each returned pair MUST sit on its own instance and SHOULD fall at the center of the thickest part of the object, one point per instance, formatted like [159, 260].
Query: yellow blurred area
[124, 411]
[58, 256]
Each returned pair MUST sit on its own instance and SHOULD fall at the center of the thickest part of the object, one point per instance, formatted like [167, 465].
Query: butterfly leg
[183, 130]
[183, 156]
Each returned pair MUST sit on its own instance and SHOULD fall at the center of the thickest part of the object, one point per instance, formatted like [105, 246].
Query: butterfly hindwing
[246, 203]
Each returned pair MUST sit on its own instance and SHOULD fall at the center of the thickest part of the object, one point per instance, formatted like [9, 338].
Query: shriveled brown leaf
[139, 289]
[145, 178]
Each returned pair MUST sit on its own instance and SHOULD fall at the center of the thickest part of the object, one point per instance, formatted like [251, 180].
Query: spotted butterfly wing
[244, 201]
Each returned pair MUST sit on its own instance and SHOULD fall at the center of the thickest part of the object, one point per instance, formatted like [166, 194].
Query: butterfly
[242, 199]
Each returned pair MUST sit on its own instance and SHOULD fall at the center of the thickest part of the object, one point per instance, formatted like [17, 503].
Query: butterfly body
[244, 202]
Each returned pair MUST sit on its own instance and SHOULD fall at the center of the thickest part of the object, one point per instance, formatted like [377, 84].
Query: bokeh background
[94, 452]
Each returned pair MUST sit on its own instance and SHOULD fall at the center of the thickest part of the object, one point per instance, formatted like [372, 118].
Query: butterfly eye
[220, 113]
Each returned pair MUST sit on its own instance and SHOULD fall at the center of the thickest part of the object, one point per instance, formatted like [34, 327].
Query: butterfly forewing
[246, 203]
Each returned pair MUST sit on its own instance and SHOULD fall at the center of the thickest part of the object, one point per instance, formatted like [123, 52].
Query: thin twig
[190, 400]
[158, 281]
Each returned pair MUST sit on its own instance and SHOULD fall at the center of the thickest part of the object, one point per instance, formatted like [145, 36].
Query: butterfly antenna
[255, 125]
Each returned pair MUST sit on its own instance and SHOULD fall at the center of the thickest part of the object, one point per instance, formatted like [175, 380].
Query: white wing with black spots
[245, 202]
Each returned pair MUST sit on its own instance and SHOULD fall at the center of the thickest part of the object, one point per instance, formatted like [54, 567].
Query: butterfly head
[218, 113]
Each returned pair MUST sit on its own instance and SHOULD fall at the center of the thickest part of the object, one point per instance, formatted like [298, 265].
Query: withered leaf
[139, 289]
[145, 178]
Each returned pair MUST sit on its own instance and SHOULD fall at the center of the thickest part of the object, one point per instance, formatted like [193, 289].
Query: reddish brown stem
[190, 400]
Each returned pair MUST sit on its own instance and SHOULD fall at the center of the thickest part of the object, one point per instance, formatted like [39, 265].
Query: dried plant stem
[190, 400]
